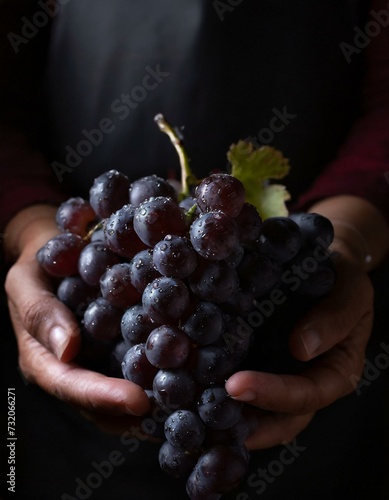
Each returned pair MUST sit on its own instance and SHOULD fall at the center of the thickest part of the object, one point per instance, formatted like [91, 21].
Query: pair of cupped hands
[334, 334]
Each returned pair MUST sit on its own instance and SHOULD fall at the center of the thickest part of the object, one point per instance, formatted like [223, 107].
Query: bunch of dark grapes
[163, 286]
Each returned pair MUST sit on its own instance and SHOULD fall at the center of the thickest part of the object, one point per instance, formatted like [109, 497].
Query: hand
[48, 339]
[335, 332]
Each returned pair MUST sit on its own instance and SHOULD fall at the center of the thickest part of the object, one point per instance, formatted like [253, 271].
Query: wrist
[28, 230]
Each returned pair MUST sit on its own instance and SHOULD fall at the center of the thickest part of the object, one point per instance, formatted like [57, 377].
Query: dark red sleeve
[25, 177]
[362, 166]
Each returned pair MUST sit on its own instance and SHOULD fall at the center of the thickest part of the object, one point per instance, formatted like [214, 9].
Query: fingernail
[245, 396]
[311, 340]
[59, 340]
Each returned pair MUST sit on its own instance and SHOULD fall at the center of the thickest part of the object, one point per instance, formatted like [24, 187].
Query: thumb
[33, 304]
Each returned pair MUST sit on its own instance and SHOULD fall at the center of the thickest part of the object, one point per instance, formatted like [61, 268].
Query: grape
[102, 320]
[136, 325]
[95, 353]
[205, 324]
[143, 270]
[321, 282]
[76, 216]
[242, 451]
[167, 347]
[214, 235]
[187, 203]
[280, 238]
[148, 187]
[316, 279]
[258, 273]
[175, 280]
[136, 367]
[217, 409]
[76, 294]
[94, 260]
[213, 365]
[235, 257]
[221, 192]
[237, 338]
[314, 227]
[120, 235]
[249, 224]
[154, 422]
[59, 257]
[175, 461]
[233, 436]
[165, 299]
[158, 217]
[116, 286]
[241, 302]
[221, 468]
[109, 193]
[196, 489]
[98, 235]
[116, 358]
[174, 389]
[184, 429]
[174, 256]
[214, 281]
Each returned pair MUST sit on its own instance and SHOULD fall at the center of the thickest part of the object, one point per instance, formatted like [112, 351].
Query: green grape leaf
[271, 201]
[255, 167]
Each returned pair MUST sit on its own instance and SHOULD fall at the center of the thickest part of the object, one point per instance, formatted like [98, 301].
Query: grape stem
[190, 214]
[98, 226]
[187, 178]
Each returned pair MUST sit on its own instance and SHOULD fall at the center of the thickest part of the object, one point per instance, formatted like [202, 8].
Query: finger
[69, 382]
[277, 428]
[329, 378]
[33, 303]
[332, 319]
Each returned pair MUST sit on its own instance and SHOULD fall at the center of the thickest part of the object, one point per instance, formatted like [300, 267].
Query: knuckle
[303, 399]
[24, 367]
[60, 387]
[9, 279]
[33, 317]
[32, 310]
[340, 321]
[35, 313]
[310, 401]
